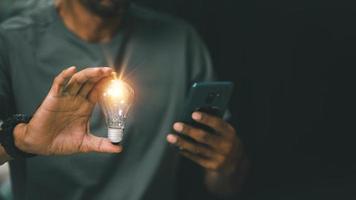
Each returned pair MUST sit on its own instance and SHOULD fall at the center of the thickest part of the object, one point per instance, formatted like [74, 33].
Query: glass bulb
[115, 102]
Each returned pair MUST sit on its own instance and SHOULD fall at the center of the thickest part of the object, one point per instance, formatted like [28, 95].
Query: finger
[197, 134]
[89, 85]
[80, 78]
[93, 143]
[61, 80]
[94, 94]
[84, 91]
[186, 145]
[216, 123]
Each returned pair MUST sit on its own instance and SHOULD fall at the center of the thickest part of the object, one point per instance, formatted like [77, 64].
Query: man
[160, 56]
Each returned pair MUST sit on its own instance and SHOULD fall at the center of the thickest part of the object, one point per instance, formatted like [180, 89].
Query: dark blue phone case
[207, 97]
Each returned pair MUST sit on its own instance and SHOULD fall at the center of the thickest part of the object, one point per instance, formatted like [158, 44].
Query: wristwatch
[7, 136]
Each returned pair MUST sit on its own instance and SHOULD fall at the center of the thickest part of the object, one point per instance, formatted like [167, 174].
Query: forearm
[229, 184]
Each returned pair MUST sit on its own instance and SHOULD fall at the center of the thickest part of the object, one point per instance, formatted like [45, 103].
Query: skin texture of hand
[60, 126]
[219, 152]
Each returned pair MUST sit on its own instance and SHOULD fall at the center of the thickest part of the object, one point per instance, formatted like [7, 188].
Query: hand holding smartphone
[208, 140]
[208, 97]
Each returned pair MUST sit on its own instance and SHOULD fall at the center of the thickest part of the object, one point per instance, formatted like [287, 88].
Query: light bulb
[115, 101]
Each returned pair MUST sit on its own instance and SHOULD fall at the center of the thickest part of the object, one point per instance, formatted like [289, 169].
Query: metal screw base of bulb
[115, 135]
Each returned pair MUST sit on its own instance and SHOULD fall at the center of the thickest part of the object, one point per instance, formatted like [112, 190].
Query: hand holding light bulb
[60, 126]
[115, 100]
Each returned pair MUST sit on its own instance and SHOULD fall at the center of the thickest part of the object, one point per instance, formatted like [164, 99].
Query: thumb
[93, 143]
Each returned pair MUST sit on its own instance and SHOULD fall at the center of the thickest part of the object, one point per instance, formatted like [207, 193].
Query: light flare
[115, 102]
[115, 89]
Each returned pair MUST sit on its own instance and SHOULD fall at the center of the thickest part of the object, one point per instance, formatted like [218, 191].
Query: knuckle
[87, 76]
[98, 71]
[57, 80]
[201, 135]
[187, 130]
[179, 142]
[80, 79]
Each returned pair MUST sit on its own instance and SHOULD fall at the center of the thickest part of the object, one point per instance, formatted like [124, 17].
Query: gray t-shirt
[163, 57]
[10, 8]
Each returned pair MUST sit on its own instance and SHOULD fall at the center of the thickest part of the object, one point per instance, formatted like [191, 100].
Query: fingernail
[178, 127]
[72, 67]
[197, 116]
[172, 138]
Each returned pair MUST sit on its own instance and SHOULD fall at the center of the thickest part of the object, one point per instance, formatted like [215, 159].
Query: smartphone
[208, 97]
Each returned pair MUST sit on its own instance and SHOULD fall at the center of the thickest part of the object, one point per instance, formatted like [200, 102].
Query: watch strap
[7, 136]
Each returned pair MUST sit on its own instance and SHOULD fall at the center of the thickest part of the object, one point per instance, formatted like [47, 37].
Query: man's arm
[60, 124]
[220, 153]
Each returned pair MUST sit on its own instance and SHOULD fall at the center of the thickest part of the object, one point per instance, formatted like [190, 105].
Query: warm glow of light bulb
[116, 101]
[116, 89]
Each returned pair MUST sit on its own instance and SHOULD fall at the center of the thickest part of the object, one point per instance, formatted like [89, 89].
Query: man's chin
[106, 8]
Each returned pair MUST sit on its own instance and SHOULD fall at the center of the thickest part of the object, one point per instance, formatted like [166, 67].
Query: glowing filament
[116, 89]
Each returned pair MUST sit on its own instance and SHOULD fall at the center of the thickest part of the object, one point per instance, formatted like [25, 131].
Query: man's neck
[88, 26]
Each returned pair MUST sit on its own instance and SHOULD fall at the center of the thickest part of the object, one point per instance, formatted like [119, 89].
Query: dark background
[292, 63]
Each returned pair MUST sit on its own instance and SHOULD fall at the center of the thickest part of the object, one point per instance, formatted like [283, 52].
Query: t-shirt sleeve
[198, 58]
[6, 107]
